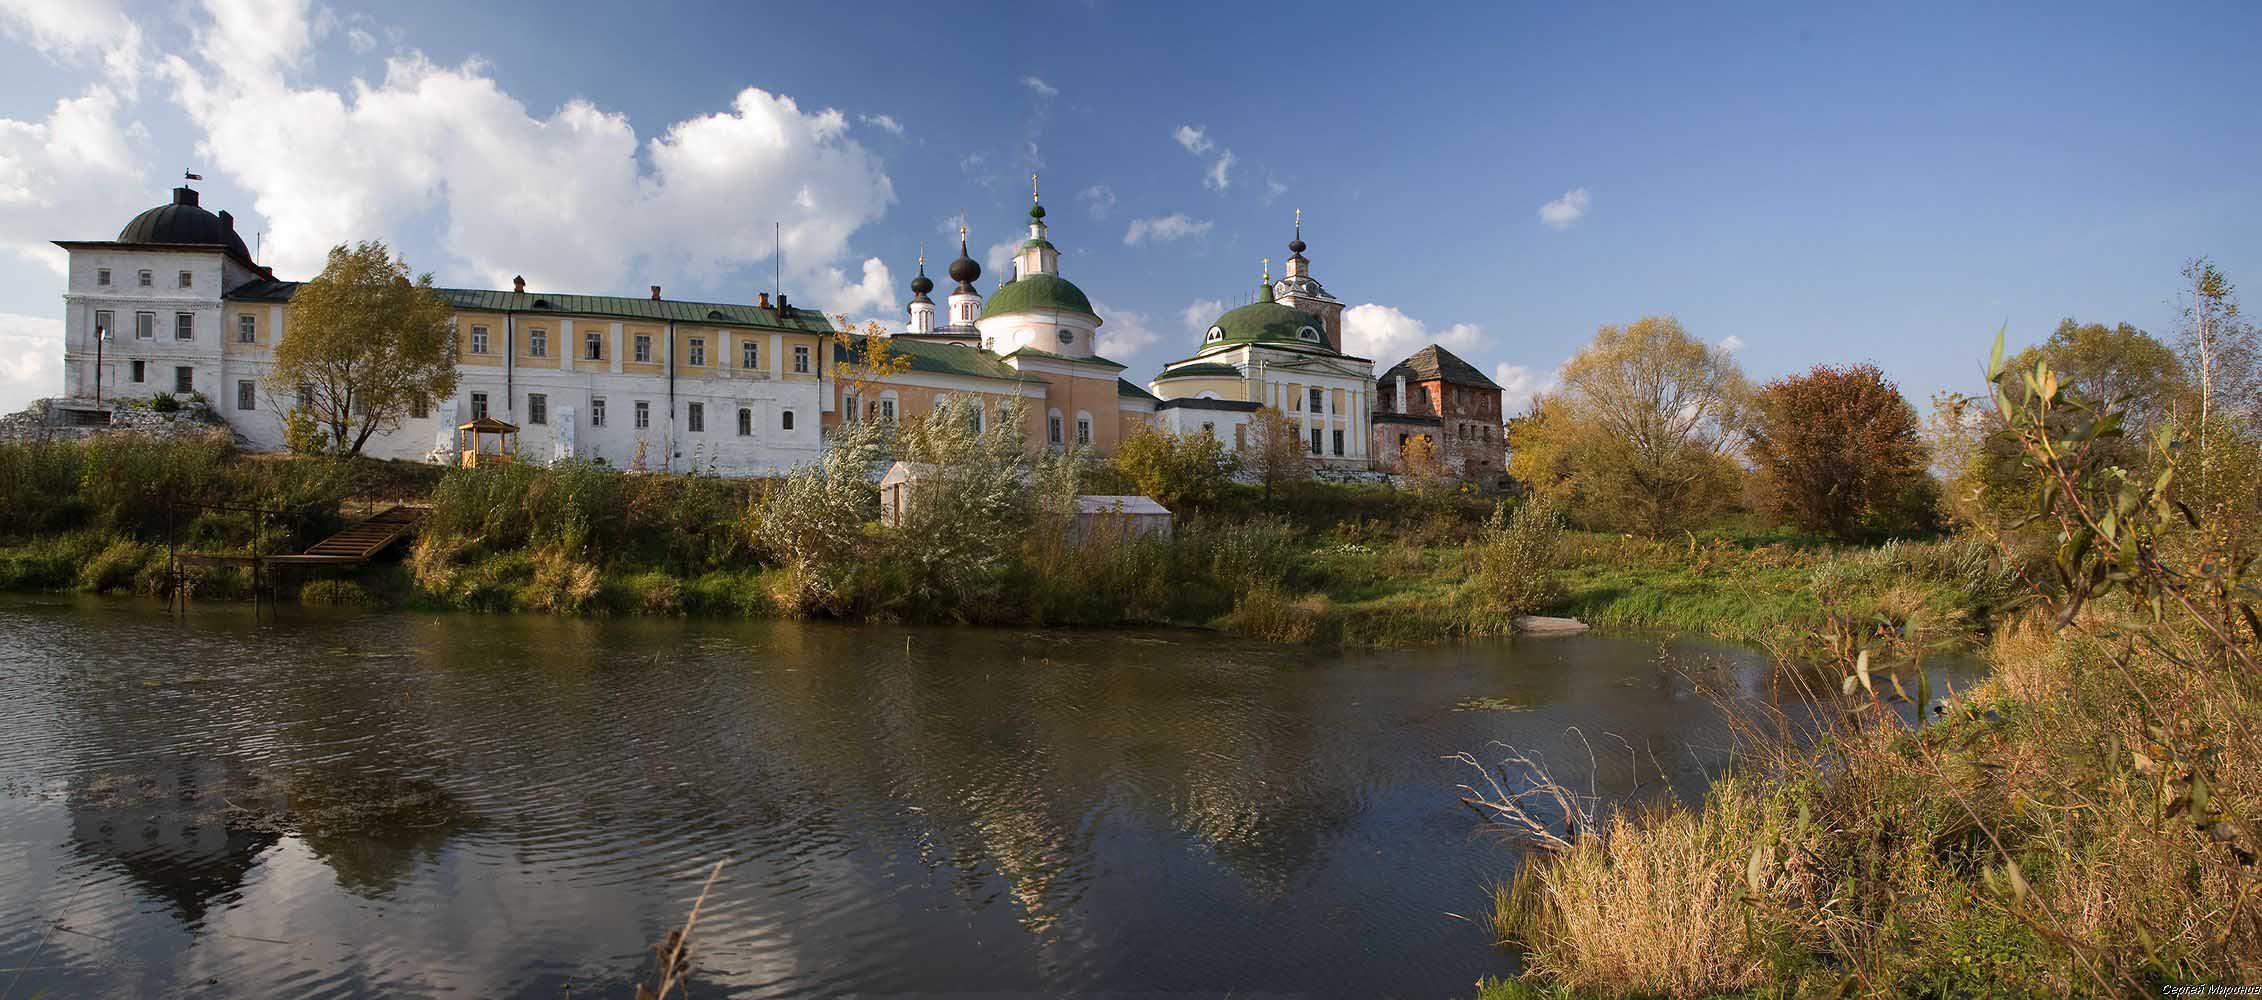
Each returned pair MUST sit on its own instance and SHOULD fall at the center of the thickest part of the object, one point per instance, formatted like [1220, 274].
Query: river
[395, 804]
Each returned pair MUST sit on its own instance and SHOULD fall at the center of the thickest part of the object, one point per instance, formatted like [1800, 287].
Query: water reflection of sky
[401, 805]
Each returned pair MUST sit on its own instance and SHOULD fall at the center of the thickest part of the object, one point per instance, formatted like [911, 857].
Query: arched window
[745, 422]
[1216, 334]
[1211, 394]
[1083, 429]
[1052, 428]
[785, 419]
[1308, 333]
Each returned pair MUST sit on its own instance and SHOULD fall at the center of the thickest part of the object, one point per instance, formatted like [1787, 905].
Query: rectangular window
[478, 406]
[1339, 443]
[184, 380]
[1083, 430]
[247, 329]
[141, 371]
[848, 407]
[1052, 428]
[246, 391]
[102, 320]
[1315, 440]
[184, 279]
[643, 353]
[1317, 395]
[695, 417]
[184, 326]
[102, 276]
[595, 351]
[145, 326]
[749, 356]
[148, 279]
[537, 342]
[785, 419]
[643, 414]
[698, 352]
[305, 397]
[596, 411]
[537, 408]
[479, 340]
[801, 360]
[419, 407]
[745, 422]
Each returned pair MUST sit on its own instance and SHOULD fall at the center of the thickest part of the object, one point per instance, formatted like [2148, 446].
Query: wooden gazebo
[470, 435]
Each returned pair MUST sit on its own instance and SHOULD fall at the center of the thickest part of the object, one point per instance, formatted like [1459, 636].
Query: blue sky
[1821, 184]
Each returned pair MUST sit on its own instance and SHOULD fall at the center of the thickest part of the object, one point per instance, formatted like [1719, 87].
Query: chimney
[227, 220]
[1399, 400]
[763, 300]
[518, 284]
[782, 307]
[184, 196]
[655, 293]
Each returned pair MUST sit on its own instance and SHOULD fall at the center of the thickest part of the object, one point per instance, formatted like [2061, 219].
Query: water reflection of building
[166, 827]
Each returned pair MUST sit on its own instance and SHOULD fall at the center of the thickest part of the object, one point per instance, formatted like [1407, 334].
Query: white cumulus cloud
[1387, 335]
[1562, 212]
[1200, 313]
[76, 31]
[1099, 199]
[1519, 386]
[562, 197]
[1175, 226]
[31, 359]
[997, 261]
[1194, 138]
[70, 175]
[1220, 174]
[1039, 87]
[885, 123]
[1732, 343]
[1126, 332]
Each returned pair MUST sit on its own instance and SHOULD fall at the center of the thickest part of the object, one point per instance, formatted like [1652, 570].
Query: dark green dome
[1034, 292]
[183, 221]
[1267, 322]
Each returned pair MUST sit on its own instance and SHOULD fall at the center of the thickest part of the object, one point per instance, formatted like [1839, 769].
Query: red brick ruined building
[1437, 395]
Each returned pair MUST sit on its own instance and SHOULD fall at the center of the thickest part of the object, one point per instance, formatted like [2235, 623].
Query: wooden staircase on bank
[358, 542]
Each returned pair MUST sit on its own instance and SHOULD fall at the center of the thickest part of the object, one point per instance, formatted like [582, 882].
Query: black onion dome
[922, 284]
[184, 222]
[1036, 211]
[964, 270]
[1296, 246]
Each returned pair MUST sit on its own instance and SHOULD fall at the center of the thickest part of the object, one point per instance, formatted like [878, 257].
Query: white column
[568, 349]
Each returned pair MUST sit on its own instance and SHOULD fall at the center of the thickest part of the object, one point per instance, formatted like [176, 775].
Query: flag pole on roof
[189, 176]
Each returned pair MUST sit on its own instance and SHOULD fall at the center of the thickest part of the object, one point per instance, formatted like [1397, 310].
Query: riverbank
[1318, 563]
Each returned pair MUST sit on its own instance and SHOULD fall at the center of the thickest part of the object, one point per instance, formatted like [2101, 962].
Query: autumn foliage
[1839, 452]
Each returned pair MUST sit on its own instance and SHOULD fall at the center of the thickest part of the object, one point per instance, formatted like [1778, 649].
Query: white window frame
[642, 354]
[537, 408]
[801, 359]
[1084, 429]
[478, 405]
[537, 342]
[1055, 433]
[184, 326]
[247, 392]
[148, 278]
[105, 324]
[595, 346]
[102, 277]
[596, 411]
[247, 328]
[749, 354]
[478, 340]
[695, 418]
[145, 326]
[698, 347]
[184, 380]
[643, 414]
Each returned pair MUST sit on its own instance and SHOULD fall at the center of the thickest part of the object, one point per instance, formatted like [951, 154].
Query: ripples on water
[402, 805]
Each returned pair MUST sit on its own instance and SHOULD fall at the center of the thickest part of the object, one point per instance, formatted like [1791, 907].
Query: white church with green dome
[1282, 350]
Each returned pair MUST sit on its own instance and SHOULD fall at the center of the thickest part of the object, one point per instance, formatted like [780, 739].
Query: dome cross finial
[1296, 245]
[1268, 270]
[1032, 189]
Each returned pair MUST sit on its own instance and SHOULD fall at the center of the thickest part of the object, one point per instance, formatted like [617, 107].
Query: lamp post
[101, 334]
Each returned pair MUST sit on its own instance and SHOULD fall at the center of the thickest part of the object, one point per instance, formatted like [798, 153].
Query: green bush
[335, 594]
[1516, 568]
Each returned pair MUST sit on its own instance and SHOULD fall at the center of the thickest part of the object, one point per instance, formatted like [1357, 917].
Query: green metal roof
[1032, 292]
[1033, 242]
[941, 358]
[1200, 369]
[622, 307]
[1125, 388]
[1267, 322]
[1032, 352]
